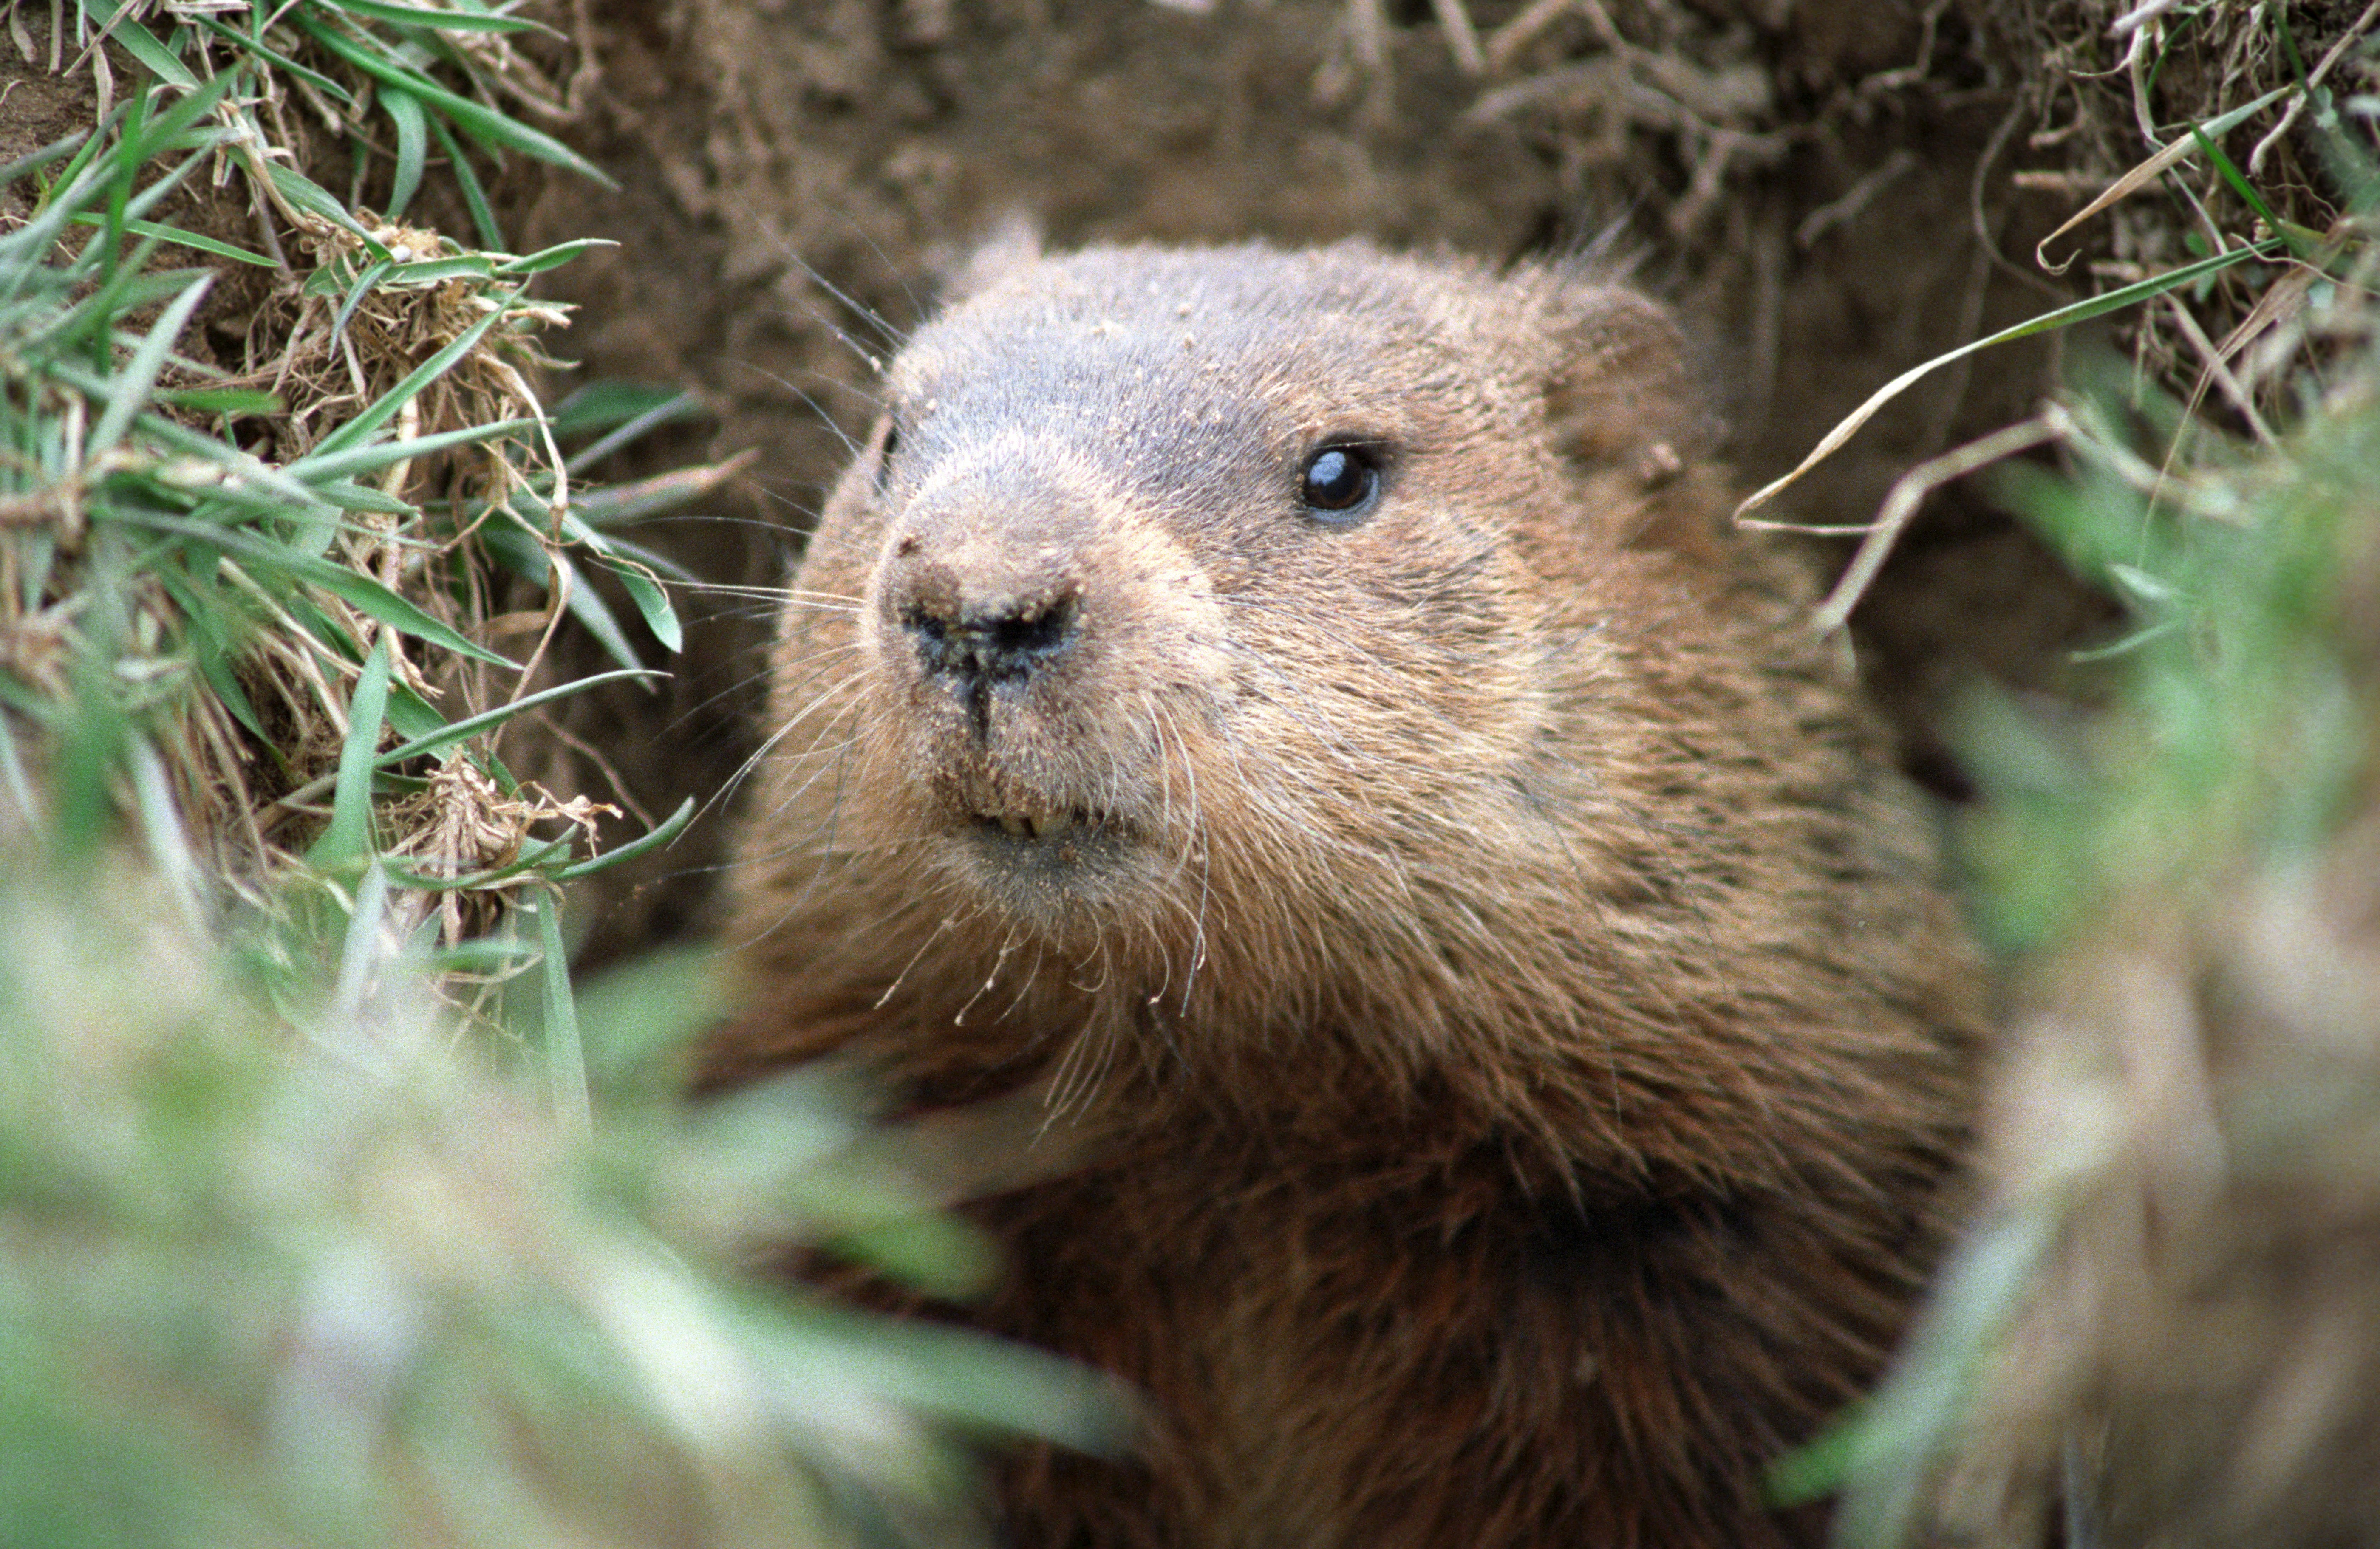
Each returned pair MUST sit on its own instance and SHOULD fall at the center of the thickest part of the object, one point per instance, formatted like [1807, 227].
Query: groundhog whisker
[1313, 720]
[873, 399]
[901, 979]
[816, 749]
[1385, 671]
[821, 841]
[804, 670]
[1193, 850]
[1025, 984]
[958, 1018]
[890, 337]
[695, 587]
[850, 446]
[832, 760]
[768, 744]
[773, 599]
[743, 684]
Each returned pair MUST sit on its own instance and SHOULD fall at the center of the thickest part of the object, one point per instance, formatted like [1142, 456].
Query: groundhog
[1299, 722]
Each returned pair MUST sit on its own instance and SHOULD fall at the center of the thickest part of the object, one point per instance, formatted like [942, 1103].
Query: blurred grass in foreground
[333, 1211]
[348, 1281]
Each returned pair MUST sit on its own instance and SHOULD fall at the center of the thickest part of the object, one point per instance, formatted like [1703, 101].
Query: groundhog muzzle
[1298, 725]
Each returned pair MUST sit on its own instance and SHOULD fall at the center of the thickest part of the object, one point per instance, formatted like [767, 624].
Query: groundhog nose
[982, 612]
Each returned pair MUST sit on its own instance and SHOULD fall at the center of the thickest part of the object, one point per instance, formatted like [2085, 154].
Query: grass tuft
[333, 1208]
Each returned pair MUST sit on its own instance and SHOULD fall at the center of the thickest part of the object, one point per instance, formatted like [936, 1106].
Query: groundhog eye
[1340, 482]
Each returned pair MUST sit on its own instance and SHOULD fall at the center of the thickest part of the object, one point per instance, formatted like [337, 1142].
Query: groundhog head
[1223, 657]
[1150, 549]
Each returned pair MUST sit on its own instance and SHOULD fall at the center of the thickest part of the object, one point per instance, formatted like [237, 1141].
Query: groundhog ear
[1620, 396]
[1010, 248]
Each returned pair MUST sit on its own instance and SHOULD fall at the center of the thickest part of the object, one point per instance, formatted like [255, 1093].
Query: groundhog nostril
[1029, 634]
[979, 644]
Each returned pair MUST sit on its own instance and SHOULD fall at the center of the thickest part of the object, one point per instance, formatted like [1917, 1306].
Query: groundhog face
[1177, 581]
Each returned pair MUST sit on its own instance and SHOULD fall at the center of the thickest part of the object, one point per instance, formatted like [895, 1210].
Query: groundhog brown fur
[1299, 723]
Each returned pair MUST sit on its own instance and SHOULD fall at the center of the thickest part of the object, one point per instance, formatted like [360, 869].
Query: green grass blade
[354, 297]
[666, 830]
[93, 318]
[471, 726]
[404, 110]
[482, 121]
[619, 506]
[1922, 1399]
[183, 239]
[474, 196]
[369, 596]
[533, 562]
[433, 272]
[131, 389]
[77, 181]
[359, 592]
[652, 603]
[347, 495]
[386, 406]
[449, 21]
[83, 174]
[2290, 46]
[607, 403]
[18, 785]
[2147, 172]
[243, 43]
[91, 749]
[2079, 311]
[318, 201]
[260, 486]
[535, 859]
[565, 1054]
[660, 564]
[234, 401]
[215, 665]
[554, 257]
[348, 838]
[210, 644]
[33, 160]
[411, 715]
[158, 134]
[125, 173]
[161, 62]
[2298, 239]
[359, 954]
[638, 410]
[346, 464]
[162, 833]
[159, 189]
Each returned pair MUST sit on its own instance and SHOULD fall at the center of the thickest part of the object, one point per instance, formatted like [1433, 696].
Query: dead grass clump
[371, 479]
[2188, 130]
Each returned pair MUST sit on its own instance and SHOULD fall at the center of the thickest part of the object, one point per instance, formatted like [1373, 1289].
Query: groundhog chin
[1020, 829]
[1055, 871]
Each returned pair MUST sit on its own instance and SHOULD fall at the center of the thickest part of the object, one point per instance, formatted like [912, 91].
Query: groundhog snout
[976, 640]
[986, 601]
